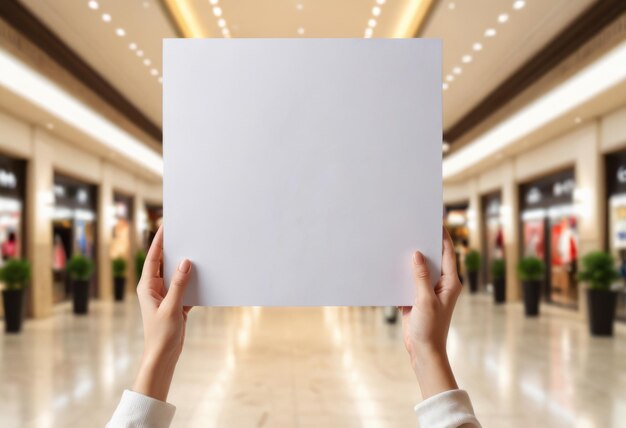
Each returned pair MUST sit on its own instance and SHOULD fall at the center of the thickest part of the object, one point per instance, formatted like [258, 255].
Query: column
[40, 201]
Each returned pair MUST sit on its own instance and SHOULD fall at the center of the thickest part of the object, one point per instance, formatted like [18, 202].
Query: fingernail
[418, 258]
[184, 266]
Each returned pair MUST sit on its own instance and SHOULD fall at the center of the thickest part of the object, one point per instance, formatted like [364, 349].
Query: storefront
[615, 169]
[154, 220]
[12, 185]
[121, 239]
[492, 234]
[73, 230]
[549, 231]
[456, 222]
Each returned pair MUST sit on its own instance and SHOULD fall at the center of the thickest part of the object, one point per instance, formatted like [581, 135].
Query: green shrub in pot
[531, 270]
[80, 269]
[598, 271]
[15, 275]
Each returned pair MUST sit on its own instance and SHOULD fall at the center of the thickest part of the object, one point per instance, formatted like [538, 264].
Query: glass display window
[492, 234]
[12, 185]
[74, 230]
[549, 232]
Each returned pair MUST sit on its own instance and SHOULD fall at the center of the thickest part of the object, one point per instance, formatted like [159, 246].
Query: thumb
[174, 297]
[422, 276]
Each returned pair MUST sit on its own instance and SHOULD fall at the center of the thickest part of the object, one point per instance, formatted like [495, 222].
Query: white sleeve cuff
[449, 409]
[139, 411]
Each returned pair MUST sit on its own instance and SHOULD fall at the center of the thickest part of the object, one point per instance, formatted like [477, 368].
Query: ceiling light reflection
[490, 32]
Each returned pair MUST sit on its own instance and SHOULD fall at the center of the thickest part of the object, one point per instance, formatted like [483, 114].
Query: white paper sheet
[302, 172]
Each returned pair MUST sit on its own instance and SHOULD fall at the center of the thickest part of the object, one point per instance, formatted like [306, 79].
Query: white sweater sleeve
[449, 409]
[139, 411]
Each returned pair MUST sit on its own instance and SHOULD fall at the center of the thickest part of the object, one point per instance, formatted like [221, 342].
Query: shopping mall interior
[534, 177]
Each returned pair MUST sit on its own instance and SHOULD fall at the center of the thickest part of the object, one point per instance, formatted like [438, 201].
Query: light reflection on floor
[312, 367]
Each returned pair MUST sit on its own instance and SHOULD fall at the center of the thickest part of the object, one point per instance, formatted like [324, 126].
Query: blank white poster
[302, 172]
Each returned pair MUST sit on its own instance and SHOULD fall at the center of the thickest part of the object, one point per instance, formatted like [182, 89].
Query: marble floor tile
[314, 367]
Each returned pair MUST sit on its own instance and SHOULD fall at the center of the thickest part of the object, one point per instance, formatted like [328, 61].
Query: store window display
[155, 218]
[121, 241]
[493, 235]
[550, 233]
[73, 230]
[456, 222]
[615, 169]
[12, 184]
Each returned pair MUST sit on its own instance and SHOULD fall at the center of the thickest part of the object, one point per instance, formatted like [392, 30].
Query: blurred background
[534, 168]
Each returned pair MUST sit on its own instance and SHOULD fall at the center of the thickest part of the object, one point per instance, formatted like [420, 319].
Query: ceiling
[460, 23]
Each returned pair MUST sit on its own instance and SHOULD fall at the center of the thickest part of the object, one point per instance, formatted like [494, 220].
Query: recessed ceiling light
[217, 11]
[502, 18]
[445, 147]
[225, 32]
[139, 53]
[451, 5]
[154, 72]
[445, 86]
[147, 62]
[457, 70]
[449, 78]
[301, 30]
[120, 32]
[369, 32]
[376, 11]
[299, 6]
[132, 46]
[380, 2]
[372, 22]
[50, 125]
[518, 4]
[93, 4]
[490, 32]
[214, 2]
[106, 17]
[466, 59]
[221, 23]
[477, 47]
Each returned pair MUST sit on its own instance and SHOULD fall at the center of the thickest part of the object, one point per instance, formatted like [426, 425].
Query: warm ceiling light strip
[185, 16]
[20, 79]
[412, 18]
[591, 81]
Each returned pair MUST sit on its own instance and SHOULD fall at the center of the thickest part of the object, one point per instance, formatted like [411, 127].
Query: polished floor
[315, 367]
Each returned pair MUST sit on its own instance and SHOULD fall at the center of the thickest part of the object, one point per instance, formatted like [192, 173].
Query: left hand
[164, 320]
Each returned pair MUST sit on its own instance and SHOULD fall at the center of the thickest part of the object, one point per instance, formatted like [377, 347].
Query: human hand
[425, 325]
[164, 319]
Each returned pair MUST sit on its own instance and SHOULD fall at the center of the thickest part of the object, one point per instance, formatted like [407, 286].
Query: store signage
[533, 196]
[548, 192]
[621, 174]
[8, 179]
[565, 187]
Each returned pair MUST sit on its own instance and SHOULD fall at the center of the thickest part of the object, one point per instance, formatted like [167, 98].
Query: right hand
[425, 325]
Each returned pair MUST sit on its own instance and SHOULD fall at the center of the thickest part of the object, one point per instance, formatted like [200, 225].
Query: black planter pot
[499, 290]
[119, 288]
[13, 301]
[80, 294]
[472, 278]
[532, 290]
[601, 304]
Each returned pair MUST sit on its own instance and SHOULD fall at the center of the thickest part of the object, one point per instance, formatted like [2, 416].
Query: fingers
[152, 265]
[448, 260]
[422, 276]
[174, 298]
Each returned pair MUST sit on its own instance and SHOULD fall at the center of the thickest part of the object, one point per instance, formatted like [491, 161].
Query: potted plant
[119, 278]
[15, 274]
[472, 266]
[140, 259]
[599, 273]
[80, 268]
[498, 273]
[530, 270]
